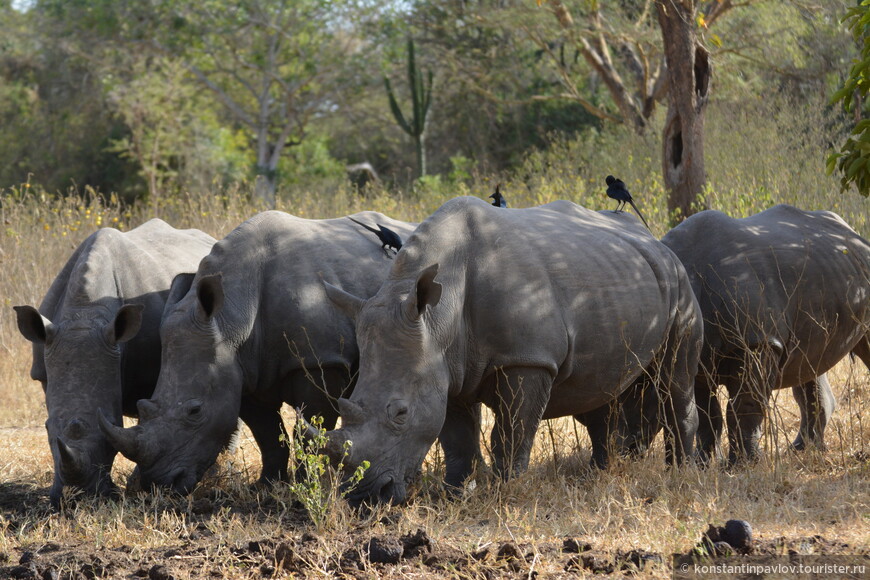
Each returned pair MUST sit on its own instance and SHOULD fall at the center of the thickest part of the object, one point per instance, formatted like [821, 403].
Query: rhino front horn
[335, 447]
[308, 430]
[124, 440]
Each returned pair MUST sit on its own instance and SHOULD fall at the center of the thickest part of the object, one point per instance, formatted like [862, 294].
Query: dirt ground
[199, 553]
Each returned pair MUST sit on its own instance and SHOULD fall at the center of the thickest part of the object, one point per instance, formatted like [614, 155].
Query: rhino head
[194, 410]
[400, 400]
[78, 361]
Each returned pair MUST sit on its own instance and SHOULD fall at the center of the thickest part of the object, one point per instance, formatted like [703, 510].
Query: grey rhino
[96, 341]
[537, 313]
[785, 295]
[251, 330]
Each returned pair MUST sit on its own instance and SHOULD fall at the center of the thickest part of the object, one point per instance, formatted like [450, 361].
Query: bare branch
[228, 101]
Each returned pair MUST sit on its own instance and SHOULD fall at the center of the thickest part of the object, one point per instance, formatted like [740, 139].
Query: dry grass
[632, 505]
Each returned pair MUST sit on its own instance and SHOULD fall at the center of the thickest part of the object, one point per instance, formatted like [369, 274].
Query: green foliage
[310, 162]
[853, 158]
[421, 99]
[158, 106]
[316, 482]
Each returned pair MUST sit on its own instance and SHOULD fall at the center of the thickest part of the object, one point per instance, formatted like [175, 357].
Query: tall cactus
[421, 98]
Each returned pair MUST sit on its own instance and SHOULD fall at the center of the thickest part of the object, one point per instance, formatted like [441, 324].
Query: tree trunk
[264, 183]
[688, 70]
[421, 154]
[264, 189]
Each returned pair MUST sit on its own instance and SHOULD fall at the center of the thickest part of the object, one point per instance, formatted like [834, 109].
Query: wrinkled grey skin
[537, 313]
[253, 330]
[785, 295]
[96, 342]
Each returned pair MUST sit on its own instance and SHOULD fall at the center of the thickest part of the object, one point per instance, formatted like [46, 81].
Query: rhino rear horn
[147, 409]
[71, 464]
[34, 326]
[346, 302]
[350, 412]
[124, 440]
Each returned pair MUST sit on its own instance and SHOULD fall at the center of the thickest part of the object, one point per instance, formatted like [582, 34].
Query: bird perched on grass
[500, 201]
[616, 190]
[388, 237]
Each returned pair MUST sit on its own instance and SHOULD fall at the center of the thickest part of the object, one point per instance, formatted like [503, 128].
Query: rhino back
[558, 286]
[784, 274]
[272, 267]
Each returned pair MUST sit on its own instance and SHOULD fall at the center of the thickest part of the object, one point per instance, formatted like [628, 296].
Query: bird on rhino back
[250, 331]
[480, 308]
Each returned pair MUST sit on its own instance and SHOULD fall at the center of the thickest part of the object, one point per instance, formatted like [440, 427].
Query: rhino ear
[180, 287]
[427, 292]
[209, 296]
[126, 325]
[33, 325]
[347, 303]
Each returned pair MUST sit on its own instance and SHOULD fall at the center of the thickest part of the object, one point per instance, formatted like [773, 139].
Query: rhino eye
[193, 409]
[399, 412]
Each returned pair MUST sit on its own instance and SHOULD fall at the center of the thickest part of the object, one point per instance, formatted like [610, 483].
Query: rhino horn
[335, 447]
[350, 412]
[147, 409]
[308, 430]
[344, 301]
[70, 460]
[124, 440]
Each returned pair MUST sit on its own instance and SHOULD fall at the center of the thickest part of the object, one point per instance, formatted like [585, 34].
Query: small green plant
[316, 483]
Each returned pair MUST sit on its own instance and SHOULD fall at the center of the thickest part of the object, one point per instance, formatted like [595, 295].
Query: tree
[680, 72]
[421, 99]
[52, 110]
[273, 64]
[853, 158]
[688, 68]
[157, 104]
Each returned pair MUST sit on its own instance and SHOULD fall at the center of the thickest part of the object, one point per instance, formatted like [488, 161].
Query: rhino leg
[640, 415]
[817, 403]
[600, 425]
[56, 492]
[711, 421]
[862, 350]
[749, 392]
[460, 440]
[520, 397]
[267, 427]
[673, 373]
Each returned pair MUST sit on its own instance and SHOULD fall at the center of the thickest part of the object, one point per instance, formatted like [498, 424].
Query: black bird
[500, 201]
[616, 190]
[388, 237]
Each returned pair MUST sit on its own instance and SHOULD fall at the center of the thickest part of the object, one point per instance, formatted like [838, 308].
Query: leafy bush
[315, 483]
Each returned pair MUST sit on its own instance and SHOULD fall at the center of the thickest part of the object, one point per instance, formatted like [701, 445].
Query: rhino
[96, 342]
[537, 313]
[251, 330]
[785, 295]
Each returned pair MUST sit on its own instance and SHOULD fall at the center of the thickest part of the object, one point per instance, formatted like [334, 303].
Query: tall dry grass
[776, 156]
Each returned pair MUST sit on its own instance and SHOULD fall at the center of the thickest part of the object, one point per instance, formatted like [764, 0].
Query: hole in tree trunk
[702, 71]
[677, 148]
